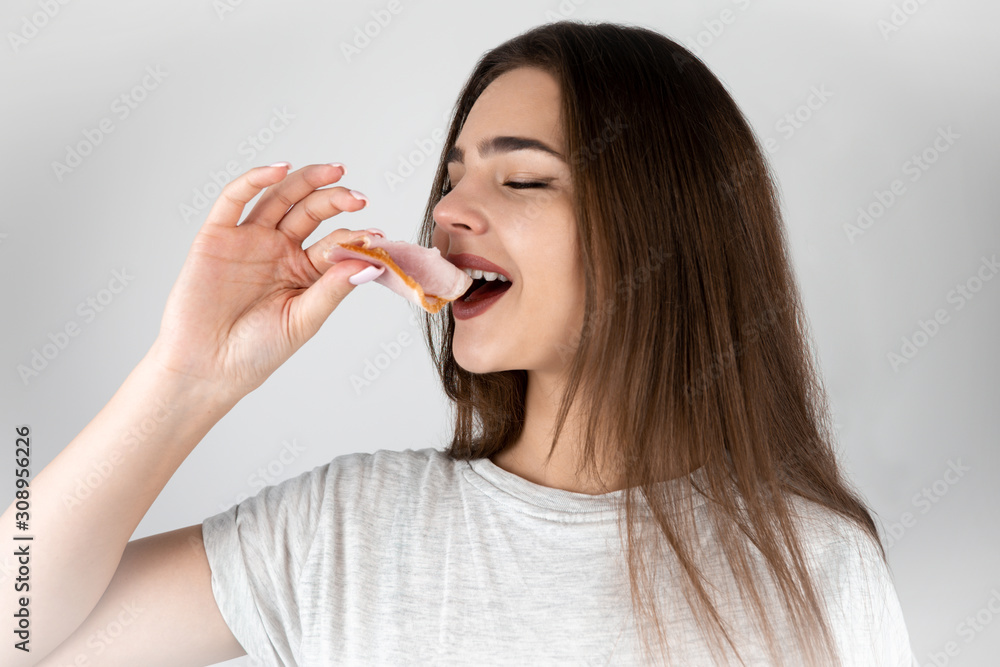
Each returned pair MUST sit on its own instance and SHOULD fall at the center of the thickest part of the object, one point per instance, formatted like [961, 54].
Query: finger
[228, 208]
[314, 306]
[316, 253]
[276, 201]
[303, 219]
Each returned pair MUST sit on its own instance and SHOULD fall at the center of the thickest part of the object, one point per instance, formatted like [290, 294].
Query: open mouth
[486, 289]
[482, 289]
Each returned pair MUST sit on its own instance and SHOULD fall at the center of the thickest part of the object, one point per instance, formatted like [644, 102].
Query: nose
[456, 213]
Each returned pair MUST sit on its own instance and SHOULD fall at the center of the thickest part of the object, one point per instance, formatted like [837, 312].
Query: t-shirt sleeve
[256, 550]
[865, 613]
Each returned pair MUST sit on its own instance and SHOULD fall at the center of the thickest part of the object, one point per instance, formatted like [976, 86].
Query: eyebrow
[495, 145]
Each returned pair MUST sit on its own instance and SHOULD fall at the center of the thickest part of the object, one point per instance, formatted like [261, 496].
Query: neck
[526, 456]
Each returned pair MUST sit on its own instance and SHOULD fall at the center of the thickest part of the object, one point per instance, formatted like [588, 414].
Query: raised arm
[247, 298]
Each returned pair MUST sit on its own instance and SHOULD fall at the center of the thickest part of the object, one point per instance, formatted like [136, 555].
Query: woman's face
[529, 232]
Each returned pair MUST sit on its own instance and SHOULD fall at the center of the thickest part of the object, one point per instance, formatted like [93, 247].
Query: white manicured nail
[366, 274]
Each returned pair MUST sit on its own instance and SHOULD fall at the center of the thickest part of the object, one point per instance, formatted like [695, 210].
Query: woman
[641, 468]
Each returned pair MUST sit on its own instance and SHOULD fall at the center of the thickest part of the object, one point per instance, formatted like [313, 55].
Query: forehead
[522, 102]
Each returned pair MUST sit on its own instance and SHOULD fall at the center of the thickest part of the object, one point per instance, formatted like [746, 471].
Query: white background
[888, 93]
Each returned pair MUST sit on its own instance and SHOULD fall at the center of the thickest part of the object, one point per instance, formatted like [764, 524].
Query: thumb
[324, 295]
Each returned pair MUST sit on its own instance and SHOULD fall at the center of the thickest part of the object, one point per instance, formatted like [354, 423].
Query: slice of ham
[416, 273]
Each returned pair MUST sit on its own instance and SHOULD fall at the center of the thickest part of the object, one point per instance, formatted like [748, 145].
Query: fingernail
[376, 232]
[366, 274]
[288, 165]
[358, 195]
[337, 164]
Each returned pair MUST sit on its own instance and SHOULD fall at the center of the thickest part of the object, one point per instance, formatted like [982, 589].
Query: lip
[466, 260]
[465, 311]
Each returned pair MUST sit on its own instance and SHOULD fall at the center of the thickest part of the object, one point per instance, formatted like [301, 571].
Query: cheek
[555, 288]
[573, 291]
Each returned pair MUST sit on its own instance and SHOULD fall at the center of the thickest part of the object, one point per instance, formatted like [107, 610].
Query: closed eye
[521, 185]
[517, 185]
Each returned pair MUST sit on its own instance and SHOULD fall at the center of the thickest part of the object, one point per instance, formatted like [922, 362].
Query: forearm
[86, 504]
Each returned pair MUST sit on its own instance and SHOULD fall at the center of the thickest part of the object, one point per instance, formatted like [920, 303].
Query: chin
[476, 363]
[477, 357]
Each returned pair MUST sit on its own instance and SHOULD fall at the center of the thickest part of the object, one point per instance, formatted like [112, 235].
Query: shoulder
[831, 539]
[392, 466]
[354, 480]
[844, 557]
[386, 474]
[856, 586]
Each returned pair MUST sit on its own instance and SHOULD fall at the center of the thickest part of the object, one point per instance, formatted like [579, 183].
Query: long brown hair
[693, 323]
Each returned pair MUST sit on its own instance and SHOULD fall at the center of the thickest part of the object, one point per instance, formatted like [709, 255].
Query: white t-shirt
[412, 558]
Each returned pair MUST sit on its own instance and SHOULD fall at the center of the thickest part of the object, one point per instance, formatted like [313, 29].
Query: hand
[248, 295]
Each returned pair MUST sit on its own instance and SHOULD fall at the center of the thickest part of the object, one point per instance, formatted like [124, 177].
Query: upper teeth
[476, 274]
